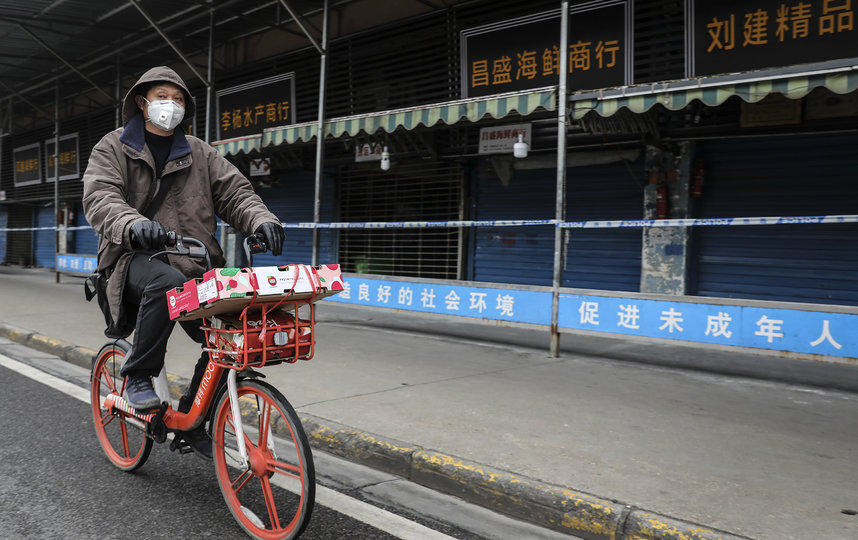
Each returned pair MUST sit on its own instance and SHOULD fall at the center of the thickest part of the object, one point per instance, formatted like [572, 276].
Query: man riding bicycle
[142, 180]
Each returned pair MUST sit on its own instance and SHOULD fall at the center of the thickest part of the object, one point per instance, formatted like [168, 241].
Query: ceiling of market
[76, 48]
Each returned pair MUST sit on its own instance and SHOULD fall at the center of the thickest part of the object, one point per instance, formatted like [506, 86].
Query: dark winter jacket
[120, 182]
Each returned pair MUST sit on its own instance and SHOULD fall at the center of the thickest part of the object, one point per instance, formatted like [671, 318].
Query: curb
[543, 504]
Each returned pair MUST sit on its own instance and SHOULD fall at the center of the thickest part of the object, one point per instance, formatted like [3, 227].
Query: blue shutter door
[606, 259]
[85, 240]
[292, 201]
[45, 241]
[4, 219]
[780, 176]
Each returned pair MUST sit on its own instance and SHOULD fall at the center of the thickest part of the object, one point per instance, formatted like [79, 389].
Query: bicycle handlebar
[196, 249]
[252, 244]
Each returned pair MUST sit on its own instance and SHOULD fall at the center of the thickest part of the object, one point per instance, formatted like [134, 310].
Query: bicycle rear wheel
[273, 497]
[121, 436]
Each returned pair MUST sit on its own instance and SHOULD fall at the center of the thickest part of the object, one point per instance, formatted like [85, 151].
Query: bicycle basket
[243, 340]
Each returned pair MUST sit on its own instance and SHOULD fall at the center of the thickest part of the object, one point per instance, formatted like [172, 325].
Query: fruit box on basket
[222, 290]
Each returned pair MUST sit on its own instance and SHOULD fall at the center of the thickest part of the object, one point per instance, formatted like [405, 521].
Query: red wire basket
[262, 334]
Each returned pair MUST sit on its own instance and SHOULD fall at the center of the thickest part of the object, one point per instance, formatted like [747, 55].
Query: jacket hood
[157, 74]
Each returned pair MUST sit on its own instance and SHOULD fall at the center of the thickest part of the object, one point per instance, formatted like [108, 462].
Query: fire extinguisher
[697, 179]
[661, 201]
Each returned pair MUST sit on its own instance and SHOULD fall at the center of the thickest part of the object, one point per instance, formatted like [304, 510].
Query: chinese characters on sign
[68, 158]
[500, 139]
[524, 53]
[28, 165]
[486, 303]
[730, 36]
[780, 329]
[250, 108]
[822, 333]
[76, 263]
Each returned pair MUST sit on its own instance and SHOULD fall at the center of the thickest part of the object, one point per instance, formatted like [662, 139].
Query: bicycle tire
[124, 444]
[273, 497]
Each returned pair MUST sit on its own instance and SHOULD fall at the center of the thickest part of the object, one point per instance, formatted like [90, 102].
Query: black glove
[148, 235]
[273, 235]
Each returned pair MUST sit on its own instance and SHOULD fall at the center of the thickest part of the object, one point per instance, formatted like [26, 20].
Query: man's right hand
[147, 235]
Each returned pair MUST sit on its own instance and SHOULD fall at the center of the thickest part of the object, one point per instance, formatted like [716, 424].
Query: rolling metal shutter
[420, 191]
[780, 176]
[595, 259]
[45, 241]
[85, 240]
[4, 219]
[292, 201]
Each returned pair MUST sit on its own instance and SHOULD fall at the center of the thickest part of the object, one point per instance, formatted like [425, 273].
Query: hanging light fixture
[385, 159]
[520, 148]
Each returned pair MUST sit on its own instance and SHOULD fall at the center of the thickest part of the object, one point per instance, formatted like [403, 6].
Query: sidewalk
[589, 443]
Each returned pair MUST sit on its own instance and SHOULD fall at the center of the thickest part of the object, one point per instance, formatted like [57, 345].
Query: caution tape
[596, 224]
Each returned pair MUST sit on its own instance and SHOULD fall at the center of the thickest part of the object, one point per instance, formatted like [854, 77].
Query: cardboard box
[225, 290]
[289, 279]
[183, 299]
[220, 283]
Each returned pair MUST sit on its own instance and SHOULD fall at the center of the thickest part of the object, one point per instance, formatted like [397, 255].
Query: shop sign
[260, 167]
[68, 158]
[728, 36]
[250, 108]
[370, 151]
[523, 53]
[28, 165]
[499, 139]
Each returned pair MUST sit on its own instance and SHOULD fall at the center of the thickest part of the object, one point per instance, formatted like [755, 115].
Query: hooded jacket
[120, 182]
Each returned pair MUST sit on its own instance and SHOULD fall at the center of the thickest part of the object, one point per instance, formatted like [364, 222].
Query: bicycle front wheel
[121, 436]
[272, 497]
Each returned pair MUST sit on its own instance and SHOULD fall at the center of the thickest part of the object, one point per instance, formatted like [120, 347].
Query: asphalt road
[57, 483]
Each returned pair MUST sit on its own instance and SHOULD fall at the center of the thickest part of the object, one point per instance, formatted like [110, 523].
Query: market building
[714, 113]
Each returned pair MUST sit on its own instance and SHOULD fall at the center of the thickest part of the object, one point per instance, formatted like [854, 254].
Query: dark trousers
[146, 286]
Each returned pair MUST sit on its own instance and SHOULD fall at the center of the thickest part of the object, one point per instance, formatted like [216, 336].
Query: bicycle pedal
[181, 445]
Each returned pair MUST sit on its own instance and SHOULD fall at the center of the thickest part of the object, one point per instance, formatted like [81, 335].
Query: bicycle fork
[263, 419]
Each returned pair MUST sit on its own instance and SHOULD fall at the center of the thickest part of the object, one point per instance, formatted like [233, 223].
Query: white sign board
[368, 152]
[499, 139]
[260, 167]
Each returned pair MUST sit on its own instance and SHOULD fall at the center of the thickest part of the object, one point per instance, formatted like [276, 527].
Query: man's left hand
[273, 235]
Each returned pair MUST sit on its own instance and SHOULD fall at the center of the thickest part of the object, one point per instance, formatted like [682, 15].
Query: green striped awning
[237, 145]
[675, 96]
[450, 112]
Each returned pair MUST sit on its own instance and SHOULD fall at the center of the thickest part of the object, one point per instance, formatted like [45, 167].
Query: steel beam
[170, 43]
[63, 60]
[300, 23]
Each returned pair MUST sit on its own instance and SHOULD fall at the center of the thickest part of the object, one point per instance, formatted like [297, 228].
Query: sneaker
[199, 441]
[140, 394]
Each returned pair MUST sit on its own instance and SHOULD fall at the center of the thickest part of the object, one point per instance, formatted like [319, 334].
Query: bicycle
[263, 463]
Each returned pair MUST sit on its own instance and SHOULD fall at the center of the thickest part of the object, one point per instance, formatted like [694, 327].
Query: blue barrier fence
[825, 334]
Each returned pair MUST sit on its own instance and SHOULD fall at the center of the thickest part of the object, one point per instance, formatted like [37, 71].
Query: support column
[320, 136]
[560, 197]
[665, 254]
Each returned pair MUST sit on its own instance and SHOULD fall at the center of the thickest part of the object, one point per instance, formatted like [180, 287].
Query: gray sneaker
[140, 394]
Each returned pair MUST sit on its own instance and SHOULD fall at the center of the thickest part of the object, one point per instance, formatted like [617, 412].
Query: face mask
[165, 114]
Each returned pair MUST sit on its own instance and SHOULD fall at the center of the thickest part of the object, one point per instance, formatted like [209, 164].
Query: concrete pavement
[589, 443]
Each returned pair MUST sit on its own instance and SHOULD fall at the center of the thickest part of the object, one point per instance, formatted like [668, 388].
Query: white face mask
[165, 114]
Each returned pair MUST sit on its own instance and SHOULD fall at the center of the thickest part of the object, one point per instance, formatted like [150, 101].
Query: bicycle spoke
[247, 475]
[106, 419]
[269, 502]
[287, 469]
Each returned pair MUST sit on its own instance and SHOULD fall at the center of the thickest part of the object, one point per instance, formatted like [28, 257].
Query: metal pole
[57, 178]
[560, 202]
[118, 89]
[210, 74]
[320, 136]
